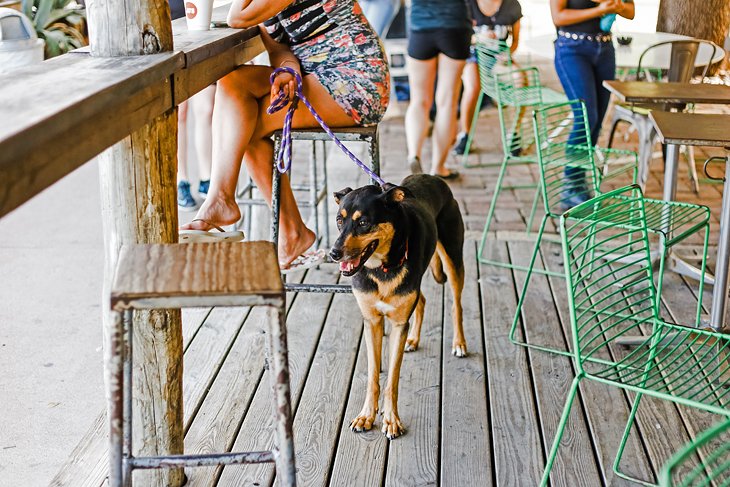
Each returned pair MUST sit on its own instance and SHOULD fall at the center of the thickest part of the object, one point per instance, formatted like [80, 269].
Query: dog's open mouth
[350, 267]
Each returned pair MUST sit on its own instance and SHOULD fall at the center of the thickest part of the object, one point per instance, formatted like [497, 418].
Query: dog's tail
[437, 268]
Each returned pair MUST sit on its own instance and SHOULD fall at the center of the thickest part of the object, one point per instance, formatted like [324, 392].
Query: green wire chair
[611, 294]
[702, 462]
[517, 93]
[559, 148]
[494, 57]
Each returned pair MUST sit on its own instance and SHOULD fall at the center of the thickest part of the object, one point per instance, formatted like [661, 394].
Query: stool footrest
[205, 460]
[318, 288]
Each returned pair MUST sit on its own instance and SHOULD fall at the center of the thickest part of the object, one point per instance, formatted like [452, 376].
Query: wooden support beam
[137, 178]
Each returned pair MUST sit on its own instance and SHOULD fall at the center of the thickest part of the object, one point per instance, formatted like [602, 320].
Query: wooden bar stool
[369, 135]
[161, 276]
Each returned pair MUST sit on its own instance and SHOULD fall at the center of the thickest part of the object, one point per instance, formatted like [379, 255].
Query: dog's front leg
[392, 427]
[374, 343]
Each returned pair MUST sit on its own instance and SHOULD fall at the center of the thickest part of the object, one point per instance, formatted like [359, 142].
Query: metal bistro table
[677, 129]
[672, 93]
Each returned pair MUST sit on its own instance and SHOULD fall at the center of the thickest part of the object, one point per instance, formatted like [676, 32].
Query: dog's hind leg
[455, 275]
[437, 268]
[374, 343]
[414, 334]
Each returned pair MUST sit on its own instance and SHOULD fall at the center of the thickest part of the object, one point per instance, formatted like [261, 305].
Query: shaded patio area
[487, 419]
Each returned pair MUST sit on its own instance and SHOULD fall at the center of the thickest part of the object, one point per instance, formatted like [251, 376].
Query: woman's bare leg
[447, 95]
[421, 77]
[202, 107]
[469, 96]
[294, 236]
[182, 142]
[242, 127]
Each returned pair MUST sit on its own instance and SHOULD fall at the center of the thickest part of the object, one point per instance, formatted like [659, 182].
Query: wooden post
[138, 188]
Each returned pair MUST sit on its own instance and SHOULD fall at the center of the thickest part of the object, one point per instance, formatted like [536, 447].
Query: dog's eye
[339, 221]
[363, 223]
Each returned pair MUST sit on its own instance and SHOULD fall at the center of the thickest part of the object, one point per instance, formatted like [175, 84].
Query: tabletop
[628, 56]
[691, 128]
[646, 92]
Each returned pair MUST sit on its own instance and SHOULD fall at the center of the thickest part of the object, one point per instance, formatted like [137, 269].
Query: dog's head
[366, 219]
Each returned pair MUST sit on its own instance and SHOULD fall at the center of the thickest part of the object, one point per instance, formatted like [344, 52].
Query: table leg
[719, 293]
[674, 262]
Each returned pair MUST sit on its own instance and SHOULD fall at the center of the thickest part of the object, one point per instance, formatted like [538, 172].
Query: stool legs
[374, 151]
[279, 376]
[325, 188]
[115, 397]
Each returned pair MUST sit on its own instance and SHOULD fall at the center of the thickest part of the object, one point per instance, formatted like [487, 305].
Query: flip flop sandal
[308, 259]
[198, 236]
[450, 175]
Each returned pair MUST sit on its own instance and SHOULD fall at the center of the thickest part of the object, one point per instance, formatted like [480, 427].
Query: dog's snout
[335, 253]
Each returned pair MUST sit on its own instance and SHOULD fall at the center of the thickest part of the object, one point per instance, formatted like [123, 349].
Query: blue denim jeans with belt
[582, 66]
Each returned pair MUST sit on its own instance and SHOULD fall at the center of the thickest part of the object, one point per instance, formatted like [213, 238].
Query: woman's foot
[293, 245]
[214, 212]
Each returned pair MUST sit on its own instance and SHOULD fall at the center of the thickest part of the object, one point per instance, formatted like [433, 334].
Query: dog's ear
[395, 194]
[341, 194]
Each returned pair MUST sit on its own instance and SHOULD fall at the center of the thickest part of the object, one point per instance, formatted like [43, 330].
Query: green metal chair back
[702, 462]
[491, 53]
[513, 108]
[611, 294]
[564, 142]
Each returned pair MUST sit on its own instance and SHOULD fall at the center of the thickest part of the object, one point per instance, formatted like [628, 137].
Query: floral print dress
[334, 42]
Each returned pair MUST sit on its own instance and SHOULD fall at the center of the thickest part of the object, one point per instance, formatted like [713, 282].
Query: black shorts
[427, 44]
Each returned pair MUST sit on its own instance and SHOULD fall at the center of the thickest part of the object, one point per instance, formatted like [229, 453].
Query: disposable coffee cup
[198, 14]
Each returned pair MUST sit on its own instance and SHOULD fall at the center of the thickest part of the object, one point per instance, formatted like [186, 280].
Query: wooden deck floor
[483, 420]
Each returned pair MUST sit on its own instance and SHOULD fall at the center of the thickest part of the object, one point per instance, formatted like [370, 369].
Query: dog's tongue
[349, 265]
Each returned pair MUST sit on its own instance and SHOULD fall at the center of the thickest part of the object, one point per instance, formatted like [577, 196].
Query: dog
[389, 236]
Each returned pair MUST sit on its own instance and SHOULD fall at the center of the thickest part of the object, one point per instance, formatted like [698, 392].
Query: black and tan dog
[388, 238]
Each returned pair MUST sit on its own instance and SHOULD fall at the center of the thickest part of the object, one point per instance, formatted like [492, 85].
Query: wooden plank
[658, 92]
[202, 72]
[304, 325]
[413, 459]
[466, 457]
[692, 128]
[199, 45]
[113, 99]
[321, 408]
[552, 376]
[518, 458]
[216, 423]
[220, 273]
[360, 458]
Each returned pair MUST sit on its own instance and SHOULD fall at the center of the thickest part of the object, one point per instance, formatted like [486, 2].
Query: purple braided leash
[283, 158]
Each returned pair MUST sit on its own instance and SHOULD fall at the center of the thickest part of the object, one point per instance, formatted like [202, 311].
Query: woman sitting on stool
[345, 76]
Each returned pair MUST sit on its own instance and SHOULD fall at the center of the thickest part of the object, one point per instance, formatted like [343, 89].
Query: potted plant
[61, 23]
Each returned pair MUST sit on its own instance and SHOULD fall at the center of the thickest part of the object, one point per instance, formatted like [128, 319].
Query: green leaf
[43, 12]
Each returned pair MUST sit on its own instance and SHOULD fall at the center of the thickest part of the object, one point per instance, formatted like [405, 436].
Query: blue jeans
[582, 67]
[380, 14]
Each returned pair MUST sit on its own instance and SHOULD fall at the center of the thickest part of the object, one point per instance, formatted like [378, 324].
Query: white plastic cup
[198, 14]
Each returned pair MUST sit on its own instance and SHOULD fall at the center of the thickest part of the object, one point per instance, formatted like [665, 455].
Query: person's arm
[568, 16]
[247, 13]
[280, 56]
[515, 36]
[627, 10]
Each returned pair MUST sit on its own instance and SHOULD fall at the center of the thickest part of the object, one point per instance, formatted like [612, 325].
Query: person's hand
[609, 6]
[285, 82]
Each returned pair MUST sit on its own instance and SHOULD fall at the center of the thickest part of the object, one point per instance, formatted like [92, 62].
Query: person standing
[494, 19]
[584, 59]
[438, 45]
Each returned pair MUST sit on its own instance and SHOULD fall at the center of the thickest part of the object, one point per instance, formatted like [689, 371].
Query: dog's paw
[411, 345]
[362, 423]
[392, 427]
[459, 350]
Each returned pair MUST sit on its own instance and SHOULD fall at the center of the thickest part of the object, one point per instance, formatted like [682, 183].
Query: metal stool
[317, 192]
[368, 135]
[225, 274]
